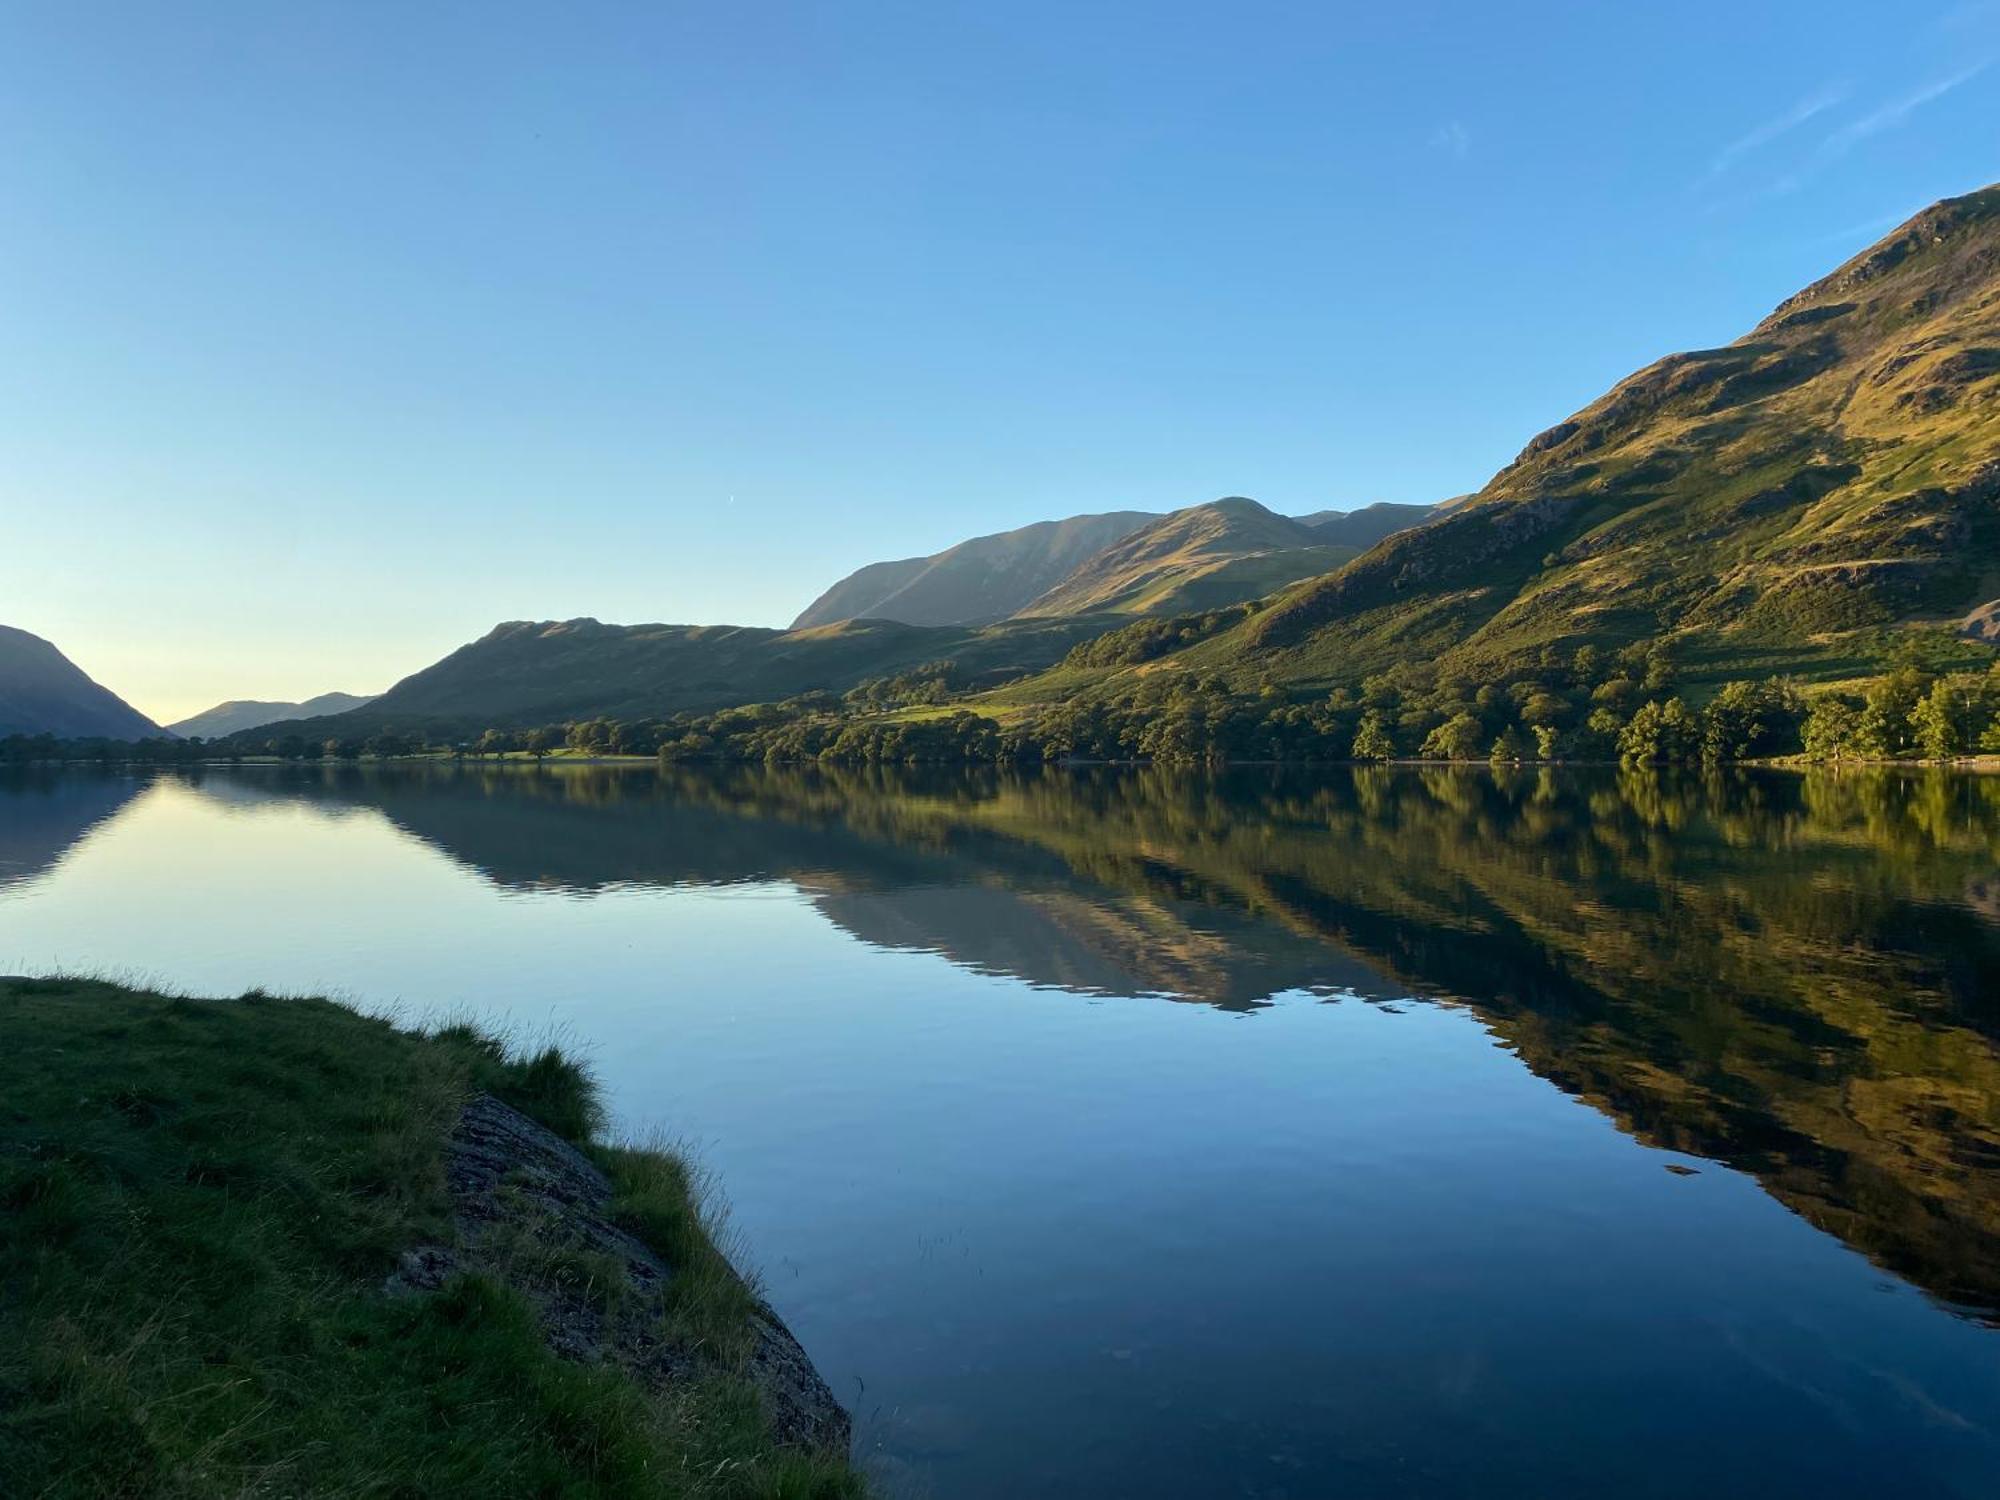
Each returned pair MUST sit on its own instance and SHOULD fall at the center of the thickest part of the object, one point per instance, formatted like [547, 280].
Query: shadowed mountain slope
[44, 692]
[527, 673]
[1363, 528]
[247, 713]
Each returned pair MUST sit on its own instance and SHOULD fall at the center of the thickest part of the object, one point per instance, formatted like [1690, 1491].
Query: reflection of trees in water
[1796, 974]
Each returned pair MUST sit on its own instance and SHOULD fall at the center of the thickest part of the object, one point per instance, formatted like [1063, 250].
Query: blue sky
[332, 335]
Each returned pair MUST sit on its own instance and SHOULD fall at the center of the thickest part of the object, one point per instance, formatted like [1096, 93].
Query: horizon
[412, 339]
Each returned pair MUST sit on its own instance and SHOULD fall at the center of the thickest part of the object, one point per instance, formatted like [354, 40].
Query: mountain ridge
[44, 692]
[1786, 503]
[979, 581]
[1193, 558]
[237, 714]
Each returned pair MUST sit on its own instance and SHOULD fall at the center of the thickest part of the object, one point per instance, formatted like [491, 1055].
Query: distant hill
[975, 582]
[1205, 555]
[1784, 504]
[247, 713]
[44, 692]
[1363, 528]
[527, 673]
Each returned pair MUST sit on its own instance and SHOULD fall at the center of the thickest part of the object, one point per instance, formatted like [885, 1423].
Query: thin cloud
[1452, 136]
[1770, 130]
[1871, 230]
[1889, 116]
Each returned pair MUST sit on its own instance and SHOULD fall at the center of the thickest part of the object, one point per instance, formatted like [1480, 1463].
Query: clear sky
[331, 335]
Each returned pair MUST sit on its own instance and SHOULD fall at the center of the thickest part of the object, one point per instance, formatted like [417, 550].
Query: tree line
[1590, 705]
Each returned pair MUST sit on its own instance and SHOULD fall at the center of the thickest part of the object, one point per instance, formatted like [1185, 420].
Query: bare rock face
[532, 1211]
[1983, 624]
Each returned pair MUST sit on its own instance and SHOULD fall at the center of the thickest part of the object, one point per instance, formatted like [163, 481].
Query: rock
[1983, 624]
[524, 1199]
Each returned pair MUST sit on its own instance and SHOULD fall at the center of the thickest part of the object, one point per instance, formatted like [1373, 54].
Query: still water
[1374, 1133]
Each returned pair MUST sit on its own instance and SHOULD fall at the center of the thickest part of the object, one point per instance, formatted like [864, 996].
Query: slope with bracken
[976, 582]
[1197, 558]
[1778, 505]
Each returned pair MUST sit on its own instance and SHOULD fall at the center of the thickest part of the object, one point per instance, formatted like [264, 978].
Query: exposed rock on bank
[533, 1212]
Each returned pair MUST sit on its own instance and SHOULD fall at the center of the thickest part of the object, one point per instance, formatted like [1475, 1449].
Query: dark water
[1374, 1133]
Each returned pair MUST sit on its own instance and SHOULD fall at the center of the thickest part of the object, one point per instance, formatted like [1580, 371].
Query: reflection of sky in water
[1051, 1243]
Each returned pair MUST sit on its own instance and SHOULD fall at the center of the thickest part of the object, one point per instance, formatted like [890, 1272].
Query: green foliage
[1372, 741]
[1832, 729]
[1660, 734]
[1751, 721]
[1953, 718]
[1461, 737]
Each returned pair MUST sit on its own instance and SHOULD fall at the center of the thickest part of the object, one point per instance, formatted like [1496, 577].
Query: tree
[1659, 734]
[1372, 741]
[1601, 731]
[1458, 738]
[1748, 720]
[1548, 742]
[1949, 719]
[1507, 749]
[1832, 730]
[539, 742]
[1884, 730]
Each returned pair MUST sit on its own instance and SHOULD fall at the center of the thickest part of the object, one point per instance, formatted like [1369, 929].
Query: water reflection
[1793, 975]
[48, 811]
[1796, 975]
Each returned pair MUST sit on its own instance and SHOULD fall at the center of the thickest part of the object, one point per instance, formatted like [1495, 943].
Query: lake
[1115, 1133]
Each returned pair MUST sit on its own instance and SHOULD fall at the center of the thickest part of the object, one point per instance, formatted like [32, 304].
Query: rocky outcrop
[532, 1211]
[1983, 624]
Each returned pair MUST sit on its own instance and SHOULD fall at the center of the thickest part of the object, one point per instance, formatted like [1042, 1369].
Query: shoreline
[1986, 762]
[282, 1245]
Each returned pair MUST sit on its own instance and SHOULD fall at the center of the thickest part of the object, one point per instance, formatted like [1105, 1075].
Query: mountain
[44, 692]
[528, 673]
[976, 582]
[1779, 505]
[248, 713]
[1363, 528]
[1205, 555]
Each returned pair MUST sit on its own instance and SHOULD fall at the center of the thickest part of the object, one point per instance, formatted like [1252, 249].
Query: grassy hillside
[1197, 558]
[203, 1202]
[1791, 503]
[529, 673]
[44, 692]
[976, 582]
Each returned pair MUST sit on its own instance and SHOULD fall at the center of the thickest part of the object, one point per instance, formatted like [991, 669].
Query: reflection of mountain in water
[1799, 976]
[987, 900]
[44, 813]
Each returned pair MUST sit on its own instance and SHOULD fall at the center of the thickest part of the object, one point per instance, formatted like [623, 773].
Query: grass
[200, 1201]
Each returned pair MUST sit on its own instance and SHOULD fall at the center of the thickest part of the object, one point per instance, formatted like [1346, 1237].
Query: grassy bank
[200, 1202]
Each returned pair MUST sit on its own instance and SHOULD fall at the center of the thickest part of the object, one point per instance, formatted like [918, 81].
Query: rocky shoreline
[533, 1212]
